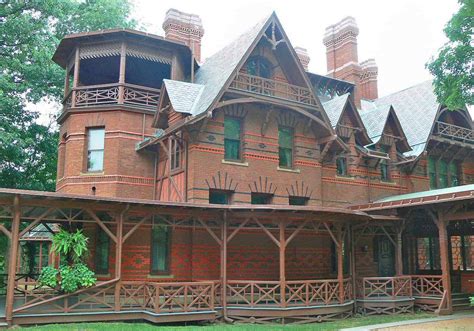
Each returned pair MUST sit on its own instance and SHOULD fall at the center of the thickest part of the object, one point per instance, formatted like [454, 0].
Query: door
[386, 257]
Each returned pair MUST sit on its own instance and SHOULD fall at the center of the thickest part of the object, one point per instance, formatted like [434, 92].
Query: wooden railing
[454, 132]
[106, 94]
[154, 297]
[384, 287]
[273, 88]
[32, 299]
[167, 297]
[427, 286]
[298, 293]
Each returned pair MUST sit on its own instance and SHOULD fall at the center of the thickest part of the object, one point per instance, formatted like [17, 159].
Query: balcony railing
[108, 94]
[273, 88]
[452, 131]
[385, 287]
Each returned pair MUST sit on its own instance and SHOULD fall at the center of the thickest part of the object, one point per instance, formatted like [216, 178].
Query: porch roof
[450, 194]
[328, 213]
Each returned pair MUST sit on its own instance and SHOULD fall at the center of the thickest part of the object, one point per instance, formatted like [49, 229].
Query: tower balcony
[273, 89]
[110, 94]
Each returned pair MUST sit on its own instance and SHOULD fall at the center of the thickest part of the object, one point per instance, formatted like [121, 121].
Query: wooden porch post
[398, 252]
[75, 81]
[123, 59]
[340, 263]
[224, 266]
[118, 259]
[12, 262]
[353, 259]
[444, 259]
[282, 248]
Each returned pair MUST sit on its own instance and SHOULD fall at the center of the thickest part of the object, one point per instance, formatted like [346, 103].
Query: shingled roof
[334, 108]
[416, 108]
[182, 95]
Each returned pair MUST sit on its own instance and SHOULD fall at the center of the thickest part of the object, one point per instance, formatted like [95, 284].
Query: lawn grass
[326, 326]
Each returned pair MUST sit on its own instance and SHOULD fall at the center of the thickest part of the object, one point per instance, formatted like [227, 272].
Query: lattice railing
[273, 88]
[454, 132]
[427, 286]
[106, 94]
[167, 297]
[32, 299]
[384, 287]
[253, 293]
[312, 292]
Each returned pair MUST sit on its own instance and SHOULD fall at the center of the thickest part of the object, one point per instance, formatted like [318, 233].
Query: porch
[264, 286]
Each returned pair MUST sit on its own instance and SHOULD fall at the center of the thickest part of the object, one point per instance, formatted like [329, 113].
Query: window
[453, 174]
[219, 197]
[285, 147]
[261, 198]
[384, 168]
[432, 173]
[298, 201]
[443, 174]
[427, 253]
[345, 257]
[102, 252]
[38, 256]
[95, 149]
[341, 166]
[160, 249]
[259, 66]
[175, 155]
[232, 127]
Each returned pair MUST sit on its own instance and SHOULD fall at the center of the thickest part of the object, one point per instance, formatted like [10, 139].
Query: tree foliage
[30, 31]
[453, 68]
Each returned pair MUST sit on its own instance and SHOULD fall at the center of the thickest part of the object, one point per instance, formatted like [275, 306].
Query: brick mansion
[243, 187]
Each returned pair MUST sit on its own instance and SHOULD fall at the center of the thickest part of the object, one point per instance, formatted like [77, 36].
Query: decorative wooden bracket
[272, 40]
[267, 120]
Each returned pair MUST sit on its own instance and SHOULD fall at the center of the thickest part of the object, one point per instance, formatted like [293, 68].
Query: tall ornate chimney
[303, 56]
[186, 28]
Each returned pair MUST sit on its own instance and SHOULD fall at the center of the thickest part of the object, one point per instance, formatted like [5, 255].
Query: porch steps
[461, 301]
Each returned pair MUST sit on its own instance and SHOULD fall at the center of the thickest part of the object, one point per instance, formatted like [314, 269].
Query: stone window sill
[236, 163]
[295, 171]
[345, 177]
[92, 173]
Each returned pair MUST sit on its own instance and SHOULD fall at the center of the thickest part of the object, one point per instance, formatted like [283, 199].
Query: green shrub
[49, 277]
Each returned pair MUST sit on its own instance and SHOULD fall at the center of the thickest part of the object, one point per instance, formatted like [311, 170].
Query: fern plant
[73, 274]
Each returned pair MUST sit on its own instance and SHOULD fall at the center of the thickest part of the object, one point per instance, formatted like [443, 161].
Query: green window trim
[160, 249]
[298, 201]
[232, 138]
[285, 147]
[341, 166]
[257, 198]
[219, 197]
[454, 174]
[102, 252]
[432, 173]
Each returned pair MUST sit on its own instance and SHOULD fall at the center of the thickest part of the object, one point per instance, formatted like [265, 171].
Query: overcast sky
[400, 34]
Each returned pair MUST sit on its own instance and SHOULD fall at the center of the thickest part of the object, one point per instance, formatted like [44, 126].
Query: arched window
[259, 66]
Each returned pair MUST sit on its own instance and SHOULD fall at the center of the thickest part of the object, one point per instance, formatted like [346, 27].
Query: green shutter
[432, 173]
[218, 197]
[443, 174]
[453, 173]
[102, 252]
[231, 138]
[285, 144]
[341, 166]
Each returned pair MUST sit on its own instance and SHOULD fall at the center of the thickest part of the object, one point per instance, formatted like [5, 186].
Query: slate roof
[416, 108]
[183, 95]
[423, 194]
[334, 108]
[217, 69]
[374, 119]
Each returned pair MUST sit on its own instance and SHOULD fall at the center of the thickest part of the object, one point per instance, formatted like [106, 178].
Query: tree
[453, 68]
[30, 31]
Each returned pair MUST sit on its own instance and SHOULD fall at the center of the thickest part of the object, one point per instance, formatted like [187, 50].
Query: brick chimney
[186, 28]
[303, 56]
[368, 80]
[343, 63]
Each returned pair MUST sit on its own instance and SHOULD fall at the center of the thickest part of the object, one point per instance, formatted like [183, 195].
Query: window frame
[88, 149]
[345, 172]
[292, 154]
[259, 61]
[268, 196]
[98, 270]
[240, 150]
[305, 199]
[166, 270]
[176, 155]
[227, 193]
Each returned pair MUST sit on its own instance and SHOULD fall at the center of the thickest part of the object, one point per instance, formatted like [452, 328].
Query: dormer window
[259, 66]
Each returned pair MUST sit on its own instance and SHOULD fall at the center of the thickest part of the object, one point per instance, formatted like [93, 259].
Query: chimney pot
[303, 56]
